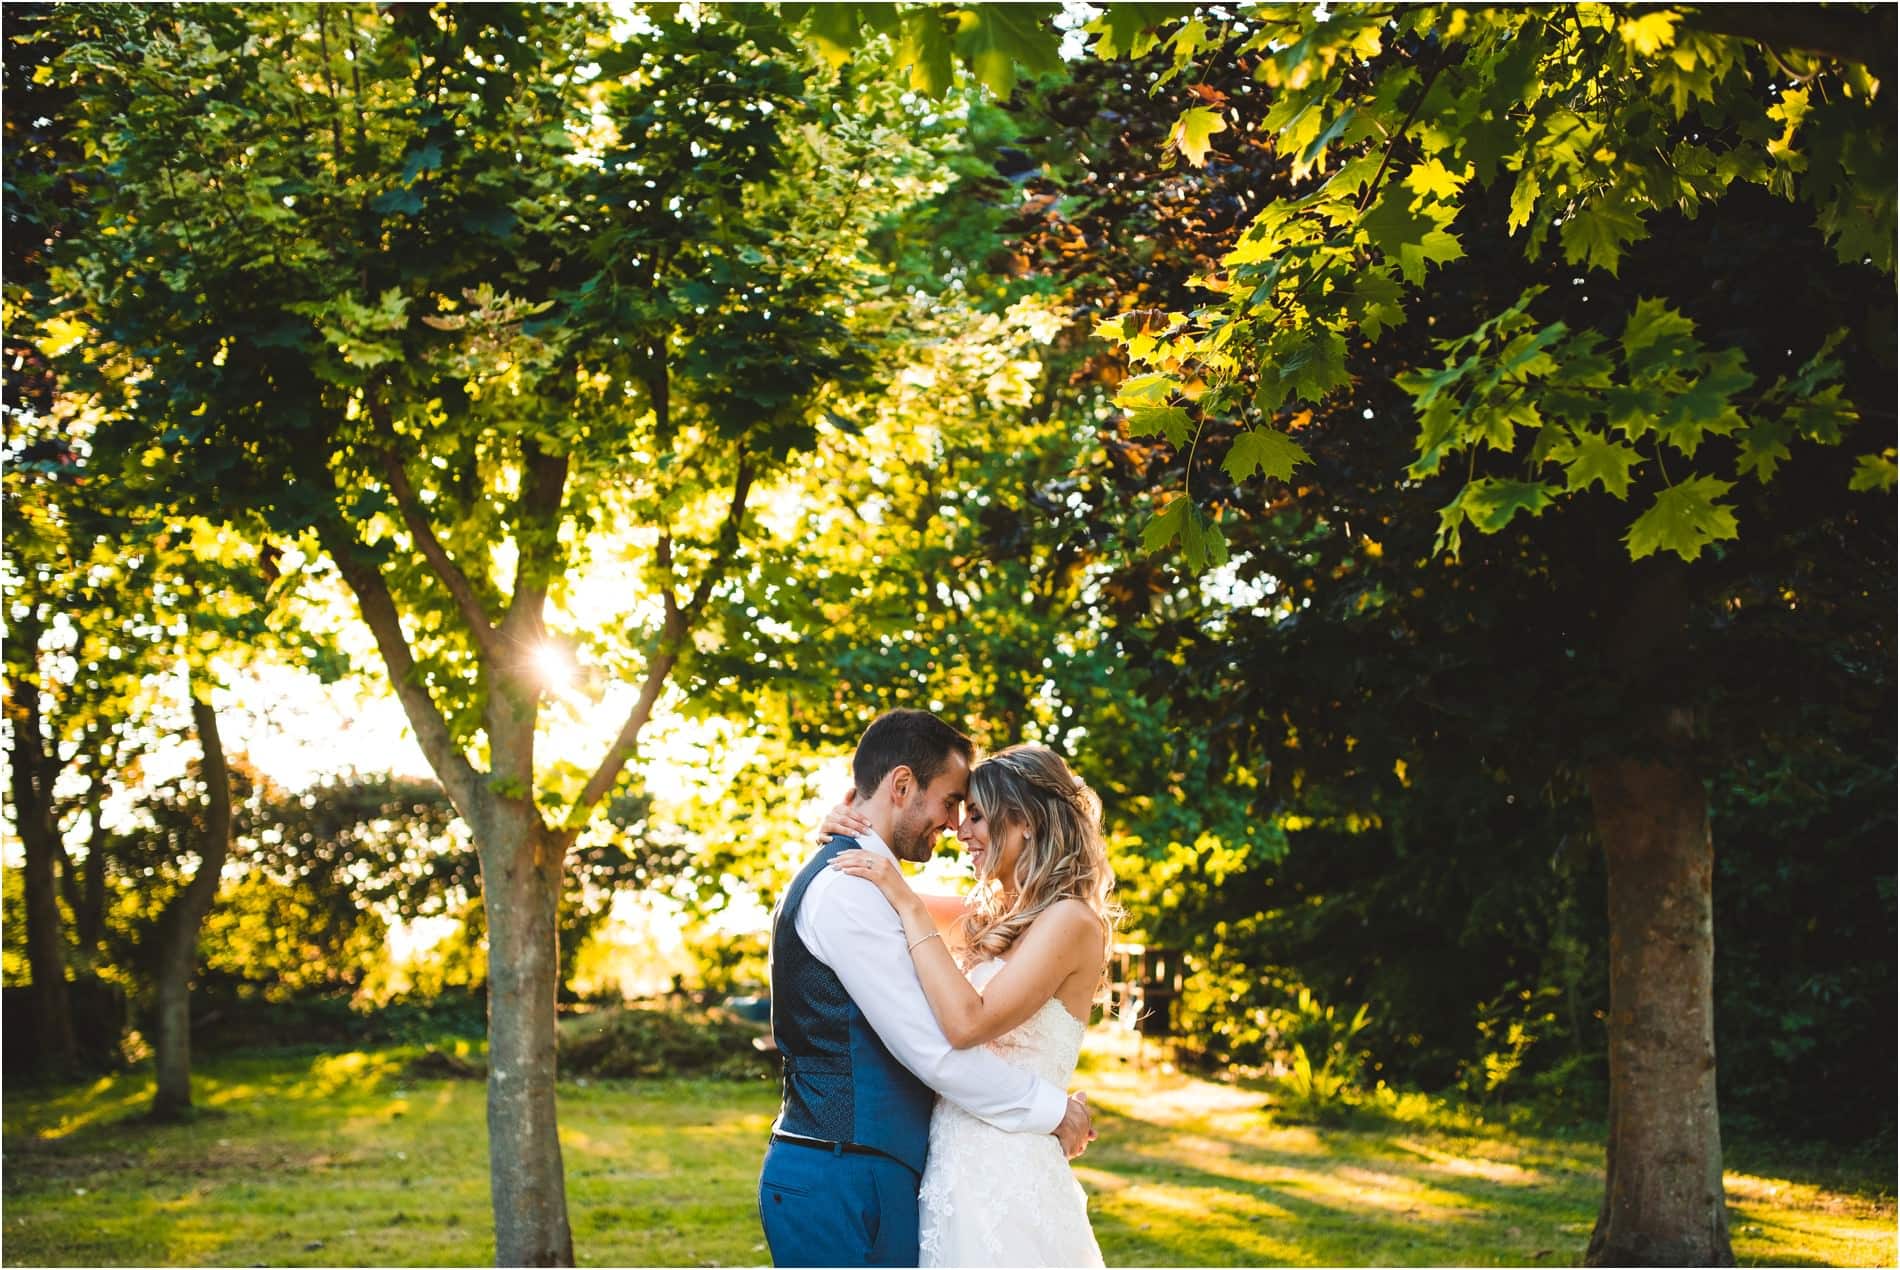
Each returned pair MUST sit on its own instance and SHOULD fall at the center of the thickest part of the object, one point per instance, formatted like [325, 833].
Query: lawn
[309, 1159]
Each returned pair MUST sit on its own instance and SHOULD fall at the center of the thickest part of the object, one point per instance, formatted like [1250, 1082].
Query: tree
[1605, 120]
[1395, 126]
[456, 293]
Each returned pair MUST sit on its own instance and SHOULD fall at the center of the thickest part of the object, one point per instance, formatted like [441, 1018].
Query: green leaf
[1144, 391]
[1873, 471]
[1821, 417]
[1705, 406]
[1597, 460]
[1491, 503]
[1191, 132]
[1763, 448]
[833, 28]
[924, 48]
[1171, 422]
[1314, 153]
[1202, 542]
[1128, 29]
[1165, 527]
[997, 38]
[1265, 450]
[1410, 236]
[1302, 368]
[1596, 232]
[1684, 519]
[1656, 335]
[406, 202]
[1433, 179]
[424, 158]
[1523, 199]
[1373, 301]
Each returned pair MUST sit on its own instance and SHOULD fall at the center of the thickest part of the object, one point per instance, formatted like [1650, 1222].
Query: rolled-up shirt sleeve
[848, 924]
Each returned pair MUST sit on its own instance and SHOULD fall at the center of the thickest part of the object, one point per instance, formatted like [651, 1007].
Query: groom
[864, 1057]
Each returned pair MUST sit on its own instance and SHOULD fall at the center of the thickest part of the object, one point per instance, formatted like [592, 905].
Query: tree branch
[452, 768]
[423, 533]
[673, 634]
[728, 543]
[537, 532]
[678, 624]
[195, 900]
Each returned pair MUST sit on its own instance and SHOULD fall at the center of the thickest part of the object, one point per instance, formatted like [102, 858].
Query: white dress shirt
[848, 925]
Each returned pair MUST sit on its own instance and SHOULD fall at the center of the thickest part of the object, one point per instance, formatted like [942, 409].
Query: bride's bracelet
[920, 939]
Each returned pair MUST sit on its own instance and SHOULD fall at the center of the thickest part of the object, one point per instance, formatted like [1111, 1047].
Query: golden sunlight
[554, 663]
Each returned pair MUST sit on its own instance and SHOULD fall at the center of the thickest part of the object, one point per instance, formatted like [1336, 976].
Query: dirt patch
[32, 1163]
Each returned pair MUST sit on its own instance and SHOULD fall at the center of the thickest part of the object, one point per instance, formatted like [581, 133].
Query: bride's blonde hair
[1029, 788]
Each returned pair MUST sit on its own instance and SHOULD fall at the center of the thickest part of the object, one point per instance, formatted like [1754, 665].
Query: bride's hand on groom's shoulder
[880, 869]
[843, 819]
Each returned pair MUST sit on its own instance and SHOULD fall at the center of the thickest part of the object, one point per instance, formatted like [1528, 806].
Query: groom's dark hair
[916, 739]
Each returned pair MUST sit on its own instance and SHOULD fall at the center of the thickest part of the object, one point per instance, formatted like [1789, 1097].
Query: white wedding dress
[991, 1198]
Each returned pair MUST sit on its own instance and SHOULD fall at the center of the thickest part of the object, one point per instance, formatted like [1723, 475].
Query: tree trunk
[178, 929]
[31, 776]
[522, 862]
[521, 889]
[1663, 1203]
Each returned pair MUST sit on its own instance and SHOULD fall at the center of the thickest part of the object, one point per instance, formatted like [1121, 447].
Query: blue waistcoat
[840, 1083]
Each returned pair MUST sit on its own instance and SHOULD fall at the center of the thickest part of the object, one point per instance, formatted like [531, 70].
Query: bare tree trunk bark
[522, 862]
[31, 774]
[178, 929]
[1663, 1202]
[521, 888]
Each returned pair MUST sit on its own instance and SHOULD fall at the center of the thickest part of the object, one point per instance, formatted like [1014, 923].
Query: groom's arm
[852, 928]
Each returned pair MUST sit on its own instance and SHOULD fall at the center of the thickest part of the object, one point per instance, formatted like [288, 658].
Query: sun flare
[554, 663]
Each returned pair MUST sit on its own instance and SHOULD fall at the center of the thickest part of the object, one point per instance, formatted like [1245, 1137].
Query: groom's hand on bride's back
[1077, 1129]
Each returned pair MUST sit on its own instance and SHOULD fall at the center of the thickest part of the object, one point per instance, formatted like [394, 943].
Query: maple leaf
[1597, 460]
[1171, 422]
[1265, 450]
[1684, 519]
[1873, 471]
[1191, 132]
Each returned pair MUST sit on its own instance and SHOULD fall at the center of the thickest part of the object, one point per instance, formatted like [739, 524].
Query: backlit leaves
[1684, 519]
[1265, 450]
[1874, 471]
[1193, 132]
[1203, 546]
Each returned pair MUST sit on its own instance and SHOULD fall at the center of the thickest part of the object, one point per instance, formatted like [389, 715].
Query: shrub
[649, 1041]
[1321, 1090]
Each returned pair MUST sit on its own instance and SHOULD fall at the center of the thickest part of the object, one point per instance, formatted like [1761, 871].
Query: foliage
[673, 1039]
[1400, 131]
[1321, 1053]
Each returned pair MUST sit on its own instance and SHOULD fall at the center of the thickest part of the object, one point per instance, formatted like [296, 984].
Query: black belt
[836, 1148]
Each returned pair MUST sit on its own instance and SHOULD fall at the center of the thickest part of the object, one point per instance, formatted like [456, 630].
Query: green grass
[302, 1159]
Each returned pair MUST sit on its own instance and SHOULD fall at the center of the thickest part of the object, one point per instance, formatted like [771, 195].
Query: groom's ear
[903, 781]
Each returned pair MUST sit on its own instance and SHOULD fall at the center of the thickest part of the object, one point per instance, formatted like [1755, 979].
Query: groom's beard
[914, 843]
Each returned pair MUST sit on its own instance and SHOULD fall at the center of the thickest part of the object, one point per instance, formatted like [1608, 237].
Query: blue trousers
[822, 1207]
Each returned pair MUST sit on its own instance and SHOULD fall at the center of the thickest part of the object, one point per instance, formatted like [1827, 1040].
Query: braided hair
[1030, 789]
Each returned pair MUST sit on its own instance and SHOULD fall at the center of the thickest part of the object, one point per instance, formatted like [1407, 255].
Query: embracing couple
[928, 1040]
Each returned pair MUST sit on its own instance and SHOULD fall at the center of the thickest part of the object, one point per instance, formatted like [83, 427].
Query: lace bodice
[991, 1198]
[1047, 1043]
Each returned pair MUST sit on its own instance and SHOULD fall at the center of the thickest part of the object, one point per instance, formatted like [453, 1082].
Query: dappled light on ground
[343, 1160]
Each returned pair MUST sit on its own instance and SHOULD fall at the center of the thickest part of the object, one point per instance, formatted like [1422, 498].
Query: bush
[228, 1018]
[650, 1041]
[1322, 1090]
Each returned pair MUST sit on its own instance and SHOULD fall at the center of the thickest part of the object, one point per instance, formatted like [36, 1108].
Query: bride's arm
[945, 910]
[1055, 946]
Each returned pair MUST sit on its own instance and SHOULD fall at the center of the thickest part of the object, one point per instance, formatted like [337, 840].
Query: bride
[1033, 940]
